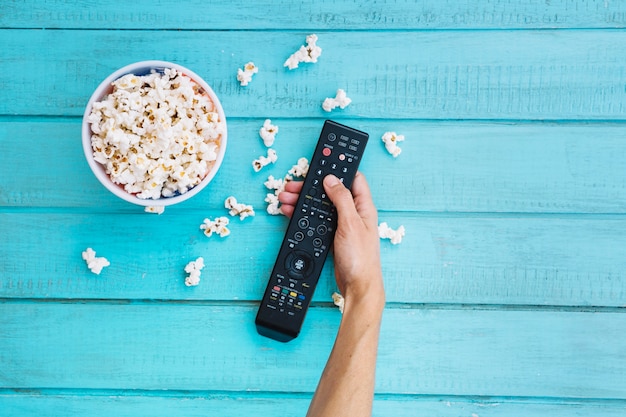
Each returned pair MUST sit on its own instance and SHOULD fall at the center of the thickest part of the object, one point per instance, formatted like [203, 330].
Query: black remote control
[309, 234]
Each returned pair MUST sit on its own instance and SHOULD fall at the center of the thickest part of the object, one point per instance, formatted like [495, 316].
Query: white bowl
[105, 88]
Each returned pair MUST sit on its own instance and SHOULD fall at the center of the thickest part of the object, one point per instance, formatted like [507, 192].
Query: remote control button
[299, 236]
[299, 264]
[332, 137]
[326, 151]
[342, 157]
[317, 242]
[322, 229]
[323, 162]
[313, 191]
[303, 223]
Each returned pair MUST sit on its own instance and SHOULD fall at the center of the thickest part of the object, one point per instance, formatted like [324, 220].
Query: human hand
[356, 245]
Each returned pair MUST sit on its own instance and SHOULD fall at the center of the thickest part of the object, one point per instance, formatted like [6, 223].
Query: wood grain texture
[317, 14]
[451, 166]
[544, 75]
[552, 261]
[181, 347]
[129, 404]
[507, 296]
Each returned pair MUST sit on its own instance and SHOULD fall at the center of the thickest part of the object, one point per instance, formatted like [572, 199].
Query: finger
[340, 196]
[363, 200]
[287, 197]
[294, 186]
[287, 210]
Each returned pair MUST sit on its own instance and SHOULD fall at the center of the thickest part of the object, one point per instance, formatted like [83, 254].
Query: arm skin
[347, 383]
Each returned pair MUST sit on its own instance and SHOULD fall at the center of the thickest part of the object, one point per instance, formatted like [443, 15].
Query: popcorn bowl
[140, 69]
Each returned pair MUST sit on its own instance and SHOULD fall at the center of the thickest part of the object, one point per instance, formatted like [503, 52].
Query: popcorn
[385, 232]
[341, 100]
[308, 53]
[193, 268]
[278, 185]
[155, 209]
[157, 135]
[263, 161]
[391, 143]
[244, 76]
[268, 133]
[275, 184]
[216, 226]
[300, 169]
[339, 301]
[273, 205]
[237, 209]
[94, 264]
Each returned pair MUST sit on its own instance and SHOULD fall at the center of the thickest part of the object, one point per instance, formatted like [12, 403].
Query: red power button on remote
[326, 152]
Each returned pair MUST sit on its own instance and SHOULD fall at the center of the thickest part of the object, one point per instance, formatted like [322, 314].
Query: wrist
[365, 300]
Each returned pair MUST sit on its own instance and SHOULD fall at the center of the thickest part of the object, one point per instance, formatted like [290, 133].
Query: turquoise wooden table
[506, 297]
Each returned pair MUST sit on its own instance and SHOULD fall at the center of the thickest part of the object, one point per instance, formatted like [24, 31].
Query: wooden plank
[544, 75]
[542, 260]
[238, 404]
[445, 166]
[186, 347]
[317, 14]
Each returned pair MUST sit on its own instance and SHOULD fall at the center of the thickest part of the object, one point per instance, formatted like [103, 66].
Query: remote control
[309, 234]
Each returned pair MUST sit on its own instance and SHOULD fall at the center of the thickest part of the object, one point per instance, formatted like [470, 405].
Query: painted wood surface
[507, 296]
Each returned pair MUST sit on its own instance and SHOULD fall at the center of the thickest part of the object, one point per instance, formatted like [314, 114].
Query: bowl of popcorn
[154, 133]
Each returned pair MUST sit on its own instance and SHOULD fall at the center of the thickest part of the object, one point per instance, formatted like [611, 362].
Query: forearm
[347, 383]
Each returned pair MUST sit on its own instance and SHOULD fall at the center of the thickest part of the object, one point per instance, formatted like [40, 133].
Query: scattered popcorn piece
[301, 168]
[339, 301]
[341, 100]
[263, 161]
[157, 135]
[273, 205]
[391, 143]
[193, 268]
[275, 184]
[308, 53]
[216, 226]
[386, 232]
[244, 76]
[278, 185]
[268, 132]
[155, 209]
[238, 209]
[94, 264]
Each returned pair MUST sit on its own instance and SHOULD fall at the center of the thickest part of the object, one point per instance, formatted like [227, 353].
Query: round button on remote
[303, 223]
[299, 264]
[322, 229]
